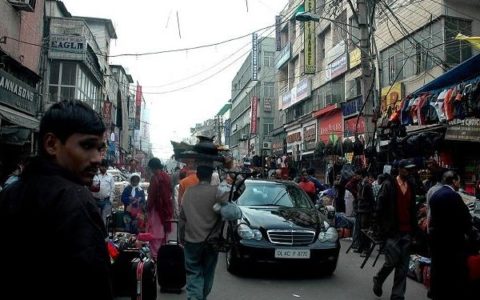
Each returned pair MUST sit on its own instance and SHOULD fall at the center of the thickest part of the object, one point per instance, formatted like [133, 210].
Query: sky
[185, 87]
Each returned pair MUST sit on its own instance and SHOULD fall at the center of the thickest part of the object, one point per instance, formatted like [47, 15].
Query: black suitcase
[145, 279]
[171, 267]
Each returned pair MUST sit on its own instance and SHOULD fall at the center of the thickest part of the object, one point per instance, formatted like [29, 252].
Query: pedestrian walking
[159, 206]
[49, 217]
[102, 189]
[450, 223]
[396, 216]
[197, 219]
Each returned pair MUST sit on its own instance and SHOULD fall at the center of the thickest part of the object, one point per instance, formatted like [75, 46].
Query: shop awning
[19, 118]
[464, 71]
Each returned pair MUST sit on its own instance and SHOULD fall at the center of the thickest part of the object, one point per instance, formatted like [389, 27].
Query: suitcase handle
[178, 233]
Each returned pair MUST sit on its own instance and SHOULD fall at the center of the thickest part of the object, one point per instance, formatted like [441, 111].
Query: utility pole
[367, 82]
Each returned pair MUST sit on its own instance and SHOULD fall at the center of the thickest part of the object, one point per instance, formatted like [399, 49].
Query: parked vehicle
[280, 225]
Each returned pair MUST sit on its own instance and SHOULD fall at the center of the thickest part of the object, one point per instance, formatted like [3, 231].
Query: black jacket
[53, 238]
[387, 210]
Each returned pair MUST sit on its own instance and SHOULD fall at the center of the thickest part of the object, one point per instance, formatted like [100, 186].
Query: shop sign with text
[294, 137]
[331, 123]
[309, 40]
[283, 56]
[16, 93]
[336, 68]
[253, 115]
[355, 57]
[467, 130]
[351, 126]
[310, 137]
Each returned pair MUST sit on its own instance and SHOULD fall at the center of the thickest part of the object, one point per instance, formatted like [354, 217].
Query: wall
[23, 26]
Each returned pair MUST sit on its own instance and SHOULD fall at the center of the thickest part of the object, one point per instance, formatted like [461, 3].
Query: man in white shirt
[102, 189]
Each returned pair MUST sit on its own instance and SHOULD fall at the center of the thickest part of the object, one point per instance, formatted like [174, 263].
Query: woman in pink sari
[159, 206]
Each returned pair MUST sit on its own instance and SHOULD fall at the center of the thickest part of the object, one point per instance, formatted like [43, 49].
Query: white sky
[151, 25]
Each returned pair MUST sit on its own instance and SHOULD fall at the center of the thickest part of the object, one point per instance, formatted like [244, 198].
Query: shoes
[377, 288]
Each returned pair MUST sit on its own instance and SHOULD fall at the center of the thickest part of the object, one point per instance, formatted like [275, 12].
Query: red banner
[107, 113]
[138, 97]
[253, 116]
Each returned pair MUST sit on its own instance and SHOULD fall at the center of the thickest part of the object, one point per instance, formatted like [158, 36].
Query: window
[269, 59]
[354, 38]
[340, 28]
[269, 90]
[267, 128]
[457, 51]
[68, 80]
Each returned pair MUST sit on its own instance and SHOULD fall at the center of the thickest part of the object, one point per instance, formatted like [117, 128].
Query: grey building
[253, 97]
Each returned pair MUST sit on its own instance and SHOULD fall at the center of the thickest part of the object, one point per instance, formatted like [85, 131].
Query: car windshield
[273, 194]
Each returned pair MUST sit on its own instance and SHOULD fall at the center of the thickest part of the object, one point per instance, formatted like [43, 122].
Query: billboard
[309, 40]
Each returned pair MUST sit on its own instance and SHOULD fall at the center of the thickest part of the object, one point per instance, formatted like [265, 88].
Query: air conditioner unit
[244, 137]
[267, 145]
[26, 5]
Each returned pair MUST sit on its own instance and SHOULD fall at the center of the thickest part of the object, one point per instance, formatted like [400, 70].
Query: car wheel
[232, 261]
[329, 268]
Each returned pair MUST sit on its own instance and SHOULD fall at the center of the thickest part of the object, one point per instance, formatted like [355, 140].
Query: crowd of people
[54, 211]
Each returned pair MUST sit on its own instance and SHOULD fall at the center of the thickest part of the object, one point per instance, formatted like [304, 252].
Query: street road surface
[349, 282]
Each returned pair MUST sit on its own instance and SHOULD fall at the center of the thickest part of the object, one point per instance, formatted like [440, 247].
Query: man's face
[103, 169]
[403, 172]
[81, 154]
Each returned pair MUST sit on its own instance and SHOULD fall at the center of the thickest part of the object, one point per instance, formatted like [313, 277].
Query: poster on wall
[391, 97]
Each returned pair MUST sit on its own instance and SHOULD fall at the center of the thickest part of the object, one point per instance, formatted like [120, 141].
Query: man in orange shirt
[188, 181]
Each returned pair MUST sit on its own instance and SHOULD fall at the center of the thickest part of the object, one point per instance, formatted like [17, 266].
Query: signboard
[283, 56]
[355, 57]
[138, 106]
[335, 52]
[336, 68]
[310, 136]
[467, 130]
[107, 113]
[352, 107]
[254, 56]
[331, 123]
[227, 126]
[278, 38]
[351, 126]
[391, 97]
[294, 137]
[67, 47]
[299, 92]
[253, 115]
[131, 112]
[309, 40]
[16, 93]
[267, 105]
[278, 147]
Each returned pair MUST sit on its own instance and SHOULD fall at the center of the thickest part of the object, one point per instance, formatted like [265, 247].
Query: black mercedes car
[280, 224]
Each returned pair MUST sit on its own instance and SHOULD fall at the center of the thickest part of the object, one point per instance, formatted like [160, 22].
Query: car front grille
[291, 237]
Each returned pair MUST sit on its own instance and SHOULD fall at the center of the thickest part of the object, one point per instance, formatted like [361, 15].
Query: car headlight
[330, 235]
[247, 233]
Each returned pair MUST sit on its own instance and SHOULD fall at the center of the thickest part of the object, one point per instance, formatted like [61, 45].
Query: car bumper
[264, 252]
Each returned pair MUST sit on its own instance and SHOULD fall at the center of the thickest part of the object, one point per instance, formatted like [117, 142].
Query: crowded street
[240, 149]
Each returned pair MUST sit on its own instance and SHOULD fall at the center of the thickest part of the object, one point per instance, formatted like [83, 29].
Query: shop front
[18, 103]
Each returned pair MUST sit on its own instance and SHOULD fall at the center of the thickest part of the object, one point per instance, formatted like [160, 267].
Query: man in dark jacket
[450, 222]
[54, 237]
[397, 221]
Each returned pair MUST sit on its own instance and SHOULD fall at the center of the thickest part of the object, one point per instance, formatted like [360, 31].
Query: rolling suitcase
[145, 279]
[171, 266]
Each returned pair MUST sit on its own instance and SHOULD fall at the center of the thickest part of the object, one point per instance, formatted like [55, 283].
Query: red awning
[326, 110]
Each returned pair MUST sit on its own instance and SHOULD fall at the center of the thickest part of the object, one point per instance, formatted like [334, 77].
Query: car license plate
[292, 253]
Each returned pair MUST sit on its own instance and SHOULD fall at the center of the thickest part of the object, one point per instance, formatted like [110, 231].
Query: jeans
[200, 263]
[105, 207]
[397, 257]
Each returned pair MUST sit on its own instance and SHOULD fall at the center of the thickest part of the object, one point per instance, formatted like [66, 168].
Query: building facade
[253, 94]
[21, 33]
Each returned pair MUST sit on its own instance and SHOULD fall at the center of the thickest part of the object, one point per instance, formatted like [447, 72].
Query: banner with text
[309, 40]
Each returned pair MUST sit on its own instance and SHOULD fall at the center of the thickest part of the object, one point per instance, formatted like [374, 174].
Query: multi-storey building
[21, 44]
[253, 94]
[414, 43]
